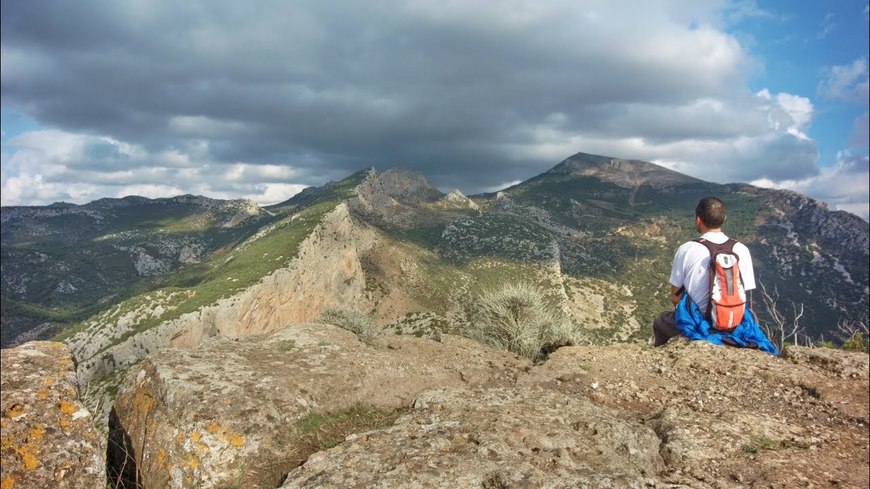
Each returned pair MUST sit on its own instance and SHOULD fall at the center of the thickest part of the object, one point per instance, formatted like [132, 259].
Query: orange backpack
[727, 295]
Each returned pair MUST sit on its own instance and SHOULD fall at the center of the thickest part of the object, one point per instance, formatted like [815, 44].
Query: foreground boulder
[730, 417]
[493, 438]
[690, 414]
[224, 415]
[48, 437]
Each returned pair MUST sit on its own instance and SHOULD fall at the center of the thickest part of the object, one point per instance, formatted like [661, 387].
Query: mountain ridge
[402, 198]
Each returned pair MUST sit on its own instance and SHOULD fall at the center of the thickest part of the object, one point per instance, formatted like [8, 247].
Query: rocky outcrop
[393, 197]
[689, 414]
[325, 273]
[48, 439]
[493, 437]
[731, 417]
[251, 209]
[458, 199]
[223, 415]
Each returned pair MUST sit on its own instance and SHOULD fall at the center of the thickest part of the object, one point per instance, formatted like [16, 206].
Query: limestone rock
[222, 415]
[393, 197]
[492, 437]
[49, 439]
[730, 417]
[457, 198]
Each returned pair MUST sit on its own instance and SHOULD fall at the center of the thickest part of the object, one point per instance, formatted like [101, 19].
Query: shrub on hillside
[857, 342]
[353, 321]
[519, 318]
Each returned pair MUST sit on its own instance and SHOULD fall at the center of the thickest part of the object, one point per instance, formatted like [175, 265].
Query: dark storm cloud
[471, 95]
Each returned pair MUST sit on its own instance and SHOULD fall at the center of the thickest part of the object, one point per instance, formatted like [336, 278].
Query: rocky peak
[457, 198]
[625, 173]
[406, 186]
[393, 196]
[249, 208]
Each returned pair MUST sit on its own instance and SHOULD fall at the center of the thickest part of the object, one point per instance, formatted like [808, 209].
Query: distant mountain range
[119, 278]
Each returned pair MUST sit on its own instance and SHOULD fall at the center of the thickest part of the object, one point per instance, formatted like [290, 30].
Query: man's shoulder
[692, 244]
[692, 249]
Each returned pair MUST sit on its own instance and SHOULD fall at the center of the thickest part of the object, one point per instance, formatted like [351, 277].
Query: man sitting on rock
[690, 287]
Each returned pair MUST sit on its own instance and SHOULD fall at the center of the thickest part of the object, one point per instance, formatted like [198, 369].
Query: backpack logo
[727, 296]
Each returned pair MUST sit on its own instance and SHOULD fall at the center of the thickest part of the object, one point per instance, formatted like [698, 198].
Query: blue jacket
[693, 325]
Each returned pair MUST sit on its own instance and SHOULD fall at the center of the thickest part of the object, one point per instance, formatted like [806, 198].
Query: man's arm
[677, 294]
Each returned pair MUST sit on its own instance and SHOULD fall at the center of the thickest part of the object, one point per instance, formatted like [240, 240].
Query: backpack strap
[713, 248]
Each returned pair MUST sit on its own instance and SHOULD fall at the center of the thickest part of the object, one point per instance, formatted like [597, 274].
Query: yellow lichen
[180, 438]
[41, 394]
[193, 461]
[161, 457]
[212, 428]
[37, 432]
[15, 411]
[27, 459]
[142, 403]
[195, 436]
[237, 440]
[63, 423]
[67, 408]
[7, 482]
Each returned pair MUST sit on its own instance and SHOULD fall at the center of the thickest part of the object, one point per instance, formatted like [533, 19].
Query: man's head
[710, 213]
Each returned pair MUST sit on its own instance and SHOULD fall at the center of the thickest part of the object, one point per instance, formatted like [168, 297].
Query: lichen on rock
[48, 436]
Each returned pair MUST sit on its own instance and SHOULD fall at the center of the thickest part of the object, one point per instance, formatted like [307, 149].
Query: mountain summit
[624, 173]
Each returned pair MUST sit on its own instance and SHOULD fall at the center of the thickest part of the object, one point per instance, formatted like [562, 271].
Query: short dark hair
[711, 211]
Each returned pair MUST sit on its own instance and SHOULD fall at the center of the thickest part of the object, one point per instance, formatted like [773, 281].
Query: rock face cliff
[233, 414]
[325, 272]
[48, 436]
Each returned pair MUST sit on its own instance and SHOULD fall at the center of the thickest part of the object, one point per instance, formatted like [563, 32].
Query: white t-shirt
[692, 266]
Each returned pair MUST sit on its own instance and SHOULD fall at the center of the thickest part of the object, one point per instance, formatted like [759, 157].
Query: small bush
[857, 342]
[353, 321]
[760, 442]
[518, 318]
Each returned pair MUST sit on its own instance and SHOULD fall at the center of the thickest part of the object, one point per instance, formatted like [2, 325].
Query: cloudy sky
[257, 100]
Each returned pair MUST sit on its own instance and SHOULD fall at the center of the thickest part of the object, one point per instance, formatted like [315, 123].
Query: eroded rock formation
[686, 415]
[223, 415]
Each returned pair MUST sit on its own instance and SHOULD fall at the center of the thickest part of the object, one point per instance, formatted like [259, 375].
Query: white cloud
[52, 166]
[273, 193]
[826, 26]
[844, 186]
[847, 82]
